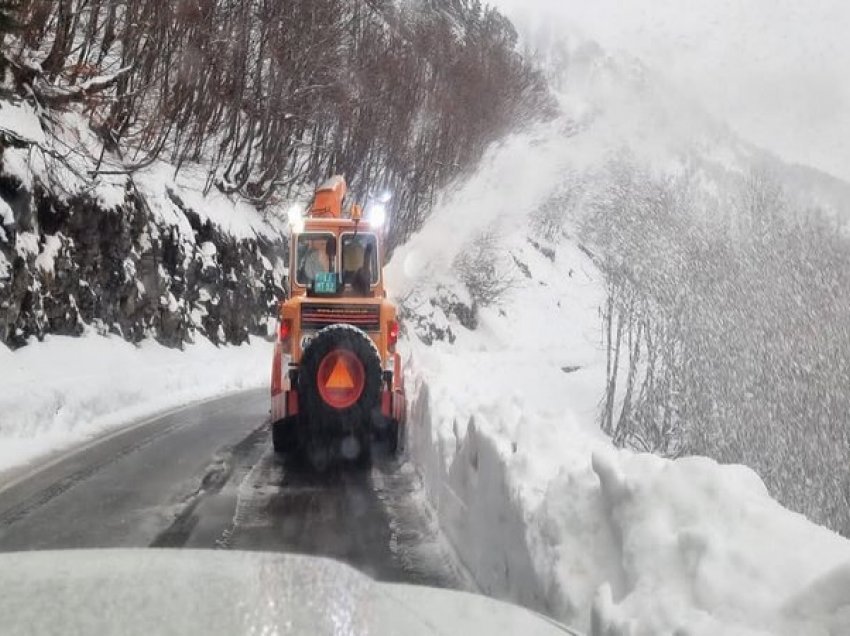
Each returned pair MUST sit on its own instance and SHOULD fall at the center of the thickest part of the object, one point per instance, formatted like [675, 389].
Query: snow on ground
[540, 506]
[62, 391]
[232, 214]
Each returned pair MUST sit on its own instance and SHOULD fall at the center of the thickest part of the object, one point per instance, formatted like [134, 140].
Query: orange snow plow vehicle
[336, 382]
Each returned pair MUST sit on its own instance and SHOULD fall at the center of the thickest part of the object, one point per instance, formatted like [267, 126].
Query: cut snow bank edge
[628, 544]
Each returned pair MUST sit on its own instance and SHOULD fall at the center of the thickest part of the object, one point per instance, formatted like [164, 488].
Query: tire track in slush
[228, 465]
[376, 519]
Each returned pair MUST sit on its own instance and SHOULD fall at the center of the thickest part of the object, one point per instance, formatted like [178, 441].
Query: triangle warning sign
[340, 377]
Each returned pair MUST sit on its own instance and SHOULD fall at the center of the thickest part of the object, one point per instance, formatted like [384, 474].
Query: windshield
[315, 253]
[360, 267]
[547, 300]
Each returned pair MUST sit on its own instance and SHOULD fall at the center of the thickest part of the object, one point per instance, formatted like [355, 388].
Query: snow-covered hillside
[155, 253]
[119, 259]
[537, 501]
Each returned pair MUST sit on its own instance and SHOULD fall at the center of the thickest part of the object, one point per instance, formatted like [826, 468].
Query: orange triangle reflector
[340, 377]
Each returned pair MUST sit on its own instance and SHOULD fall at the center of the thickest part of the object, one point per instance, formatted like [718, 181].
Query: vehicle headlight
[295, 215]
[376, 214]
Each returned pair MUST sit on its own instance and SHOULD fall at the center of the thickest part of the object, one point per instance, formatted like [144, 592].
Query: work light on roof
[295, 215]
[376, 214]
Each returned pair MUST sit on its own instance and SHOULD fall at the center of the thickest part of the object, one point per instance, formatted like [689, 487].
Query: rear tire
[326, 423]
[388, 433]
[364, 459]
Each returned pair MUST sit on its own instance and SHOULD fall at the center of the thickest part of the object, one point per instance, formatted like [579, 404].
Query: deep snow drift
[59, 392]
[536, 500]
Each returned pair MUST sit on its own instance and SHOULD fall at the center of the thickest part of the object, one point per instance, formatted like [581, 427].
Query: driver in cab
[320, 254]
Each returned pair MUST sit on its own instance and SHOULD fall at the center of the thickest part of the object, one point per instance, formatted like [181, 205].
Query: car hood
[149, 591]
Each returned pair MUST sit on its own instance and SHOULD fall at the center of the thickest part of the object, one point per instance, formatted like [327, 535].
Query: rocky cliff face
[68, 262]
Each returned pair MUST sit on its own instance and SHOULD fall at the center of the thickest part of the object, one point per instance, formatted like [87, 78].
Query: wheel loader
[336, 381]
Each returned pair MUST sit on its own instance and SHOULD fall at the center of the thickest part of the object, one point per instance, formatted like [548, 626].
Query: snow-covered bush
[485, 270]
[549, 220]
[428, 312]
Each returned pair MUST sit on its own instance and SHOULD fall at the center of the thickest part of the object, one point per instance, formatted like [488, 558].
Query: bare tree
[730, 341]
[274, 96]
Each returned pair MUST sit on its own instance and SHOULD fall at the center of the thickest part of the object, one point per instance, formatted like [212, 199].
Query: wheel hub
[341, 378]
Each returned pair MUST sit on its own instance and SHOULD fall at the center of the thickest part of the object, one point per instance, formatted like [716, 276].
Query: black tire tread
[340, 337]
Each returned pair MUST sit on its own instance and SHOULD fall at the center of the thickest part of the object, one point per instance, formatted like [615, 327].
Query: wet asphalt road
[204, 476]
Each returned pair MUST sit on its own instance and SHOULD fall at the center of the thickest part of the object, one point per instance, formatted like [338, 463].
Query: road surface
[204, 476]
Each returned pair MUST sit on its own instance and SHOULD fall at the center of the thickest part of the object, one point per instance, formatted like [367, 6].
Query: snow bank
[539, 505]
[59, 392]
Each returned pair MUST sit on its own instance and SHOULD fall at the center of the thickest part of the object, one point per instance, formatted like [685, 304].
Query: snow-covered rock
[77, 249]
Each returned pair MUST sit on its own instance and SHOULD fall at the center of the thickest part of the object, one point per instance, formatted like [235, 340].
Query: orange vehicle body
[304, 315]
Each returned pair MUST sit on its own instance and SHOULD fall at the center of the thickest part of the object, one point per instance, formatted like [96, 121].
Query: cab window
[314, 253]
[360, 267]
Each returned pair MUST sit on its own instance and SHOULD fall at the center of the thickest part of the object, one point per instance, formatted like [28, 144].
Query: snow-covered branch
[29, 75]
[60, 95]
